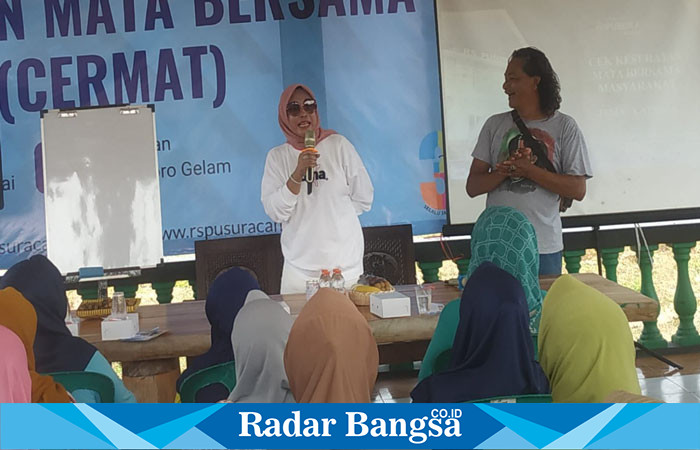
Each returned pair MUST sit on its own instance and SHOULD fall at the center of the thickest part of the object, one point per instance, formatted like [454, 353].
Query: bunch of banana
[365, 288]
[375, 281]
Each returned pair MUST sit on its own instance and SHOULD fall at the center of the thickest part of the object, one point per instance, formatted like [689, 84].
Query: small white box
[113, 330]
[389, 304]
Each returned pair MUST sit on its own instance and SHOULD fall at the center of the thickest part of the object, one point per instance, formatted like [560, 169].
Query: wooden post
[193, 285]
[164, 291]
[463, 265]
[152, 381]
[572, 258]
[610, 260]
[128, 289]
[684, 300]
[430, 271]
[88, 292]
[651, 337]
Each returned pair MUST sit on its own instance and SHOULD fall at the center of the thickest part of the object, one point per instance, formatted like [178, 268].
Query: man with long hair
[533, 158]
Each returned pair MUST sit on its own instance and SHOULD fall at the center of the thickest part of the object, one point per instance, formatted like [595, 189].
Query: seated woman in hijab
[226, 297]
[15, 382]
[586, 347]
[331, 354]
[493, 353]
[259, 337]
[55, 348]
[505, 237]
[18, 316]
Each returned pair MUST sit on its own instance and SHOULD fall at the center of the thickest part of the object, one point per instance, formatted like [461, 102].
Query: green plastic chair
[92, 381]
[525, 398]
[442, 340]
[224, 373]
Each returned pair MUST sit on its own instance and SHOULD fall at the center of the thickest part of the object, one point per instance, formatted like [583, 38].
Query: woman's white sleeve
[279, 202]
[361, 189]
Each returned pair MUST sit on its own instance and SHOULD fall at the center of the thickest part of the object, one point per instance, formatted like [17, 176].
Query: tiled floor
[657, 380]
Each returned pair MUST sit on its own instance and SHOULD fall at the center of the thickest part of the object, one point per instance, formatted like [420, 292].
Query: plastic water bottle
[337, 281]
[325, 280]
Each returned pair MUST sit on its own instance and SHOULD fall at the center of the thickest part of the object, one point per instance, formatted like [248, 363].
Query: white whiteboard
[629, 72]
[102, 197]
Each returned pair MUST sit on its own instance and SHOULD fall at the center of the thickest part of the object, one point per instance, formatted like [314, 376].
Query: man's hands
[520, 163]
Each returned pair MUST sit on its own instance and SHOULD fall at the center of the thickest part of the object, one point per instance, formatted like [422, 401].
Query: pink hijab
[297, 141]
[15, 383]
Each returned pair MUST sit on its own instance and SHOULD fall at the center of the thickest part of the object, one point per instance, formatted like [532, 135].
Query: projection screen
[630, 77]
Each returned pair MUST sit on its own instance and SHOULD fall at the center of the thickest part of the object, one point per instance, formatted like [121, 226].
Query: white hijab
[259, 337]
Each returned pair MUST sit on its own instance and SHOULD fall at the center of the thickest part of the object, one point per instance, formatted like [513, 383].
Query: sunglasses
[294, 108]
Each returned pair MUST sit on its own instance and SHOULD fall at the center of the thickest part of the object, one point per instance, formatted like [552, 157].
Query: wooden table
[151, 368]
[637, 307]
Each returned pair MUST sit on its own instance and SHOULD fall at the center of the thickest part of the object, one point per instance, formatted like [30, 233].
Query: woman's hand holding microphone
[307, 159]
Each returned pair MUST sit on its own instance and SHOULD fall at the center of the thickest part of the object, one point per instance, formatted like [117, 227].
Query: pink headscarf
[297, 141]
[15, 383]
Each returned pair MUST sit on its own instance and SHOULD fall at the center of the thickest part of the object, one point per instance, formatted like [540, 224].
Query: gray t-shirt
[567, 151]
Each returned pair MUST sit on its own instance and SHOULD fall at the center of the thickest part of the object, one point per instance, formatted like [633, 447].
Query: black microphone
[309, 145]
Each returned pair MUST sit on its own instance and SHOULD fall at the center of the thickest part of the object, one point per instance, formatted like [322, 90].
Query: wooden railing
[430, 258]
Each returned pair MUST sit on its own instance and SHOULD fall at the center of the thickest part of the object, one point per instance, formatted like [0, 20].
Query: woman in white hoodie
[320, 228]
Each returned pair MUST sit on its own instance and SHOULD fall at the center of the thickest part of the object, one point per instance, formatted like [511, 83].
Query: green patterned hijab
[504, 236]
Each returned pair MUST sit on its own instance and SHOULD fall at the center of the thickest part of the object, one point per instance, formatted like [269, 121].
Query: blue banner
[218, 426]
[214, 70]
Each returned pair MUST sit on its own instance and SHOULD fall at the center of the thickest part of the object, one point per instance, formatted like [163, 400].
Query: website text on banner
[214, 69]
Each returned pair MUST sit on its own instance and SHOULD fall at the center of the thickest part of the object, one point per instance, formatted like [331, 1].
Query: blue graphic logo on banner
[433, 192]
[479, 426]
[214, 70]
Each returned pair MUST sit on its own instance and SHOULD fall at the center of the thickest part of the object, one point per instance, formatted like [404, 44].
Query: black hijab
[226, 297]
[492, 354]
[55, 349]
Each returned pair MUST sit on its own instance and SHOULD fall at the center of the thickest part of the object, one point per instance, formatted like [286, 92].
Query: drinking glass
[312, 287]
[118, 306]
[423, 299]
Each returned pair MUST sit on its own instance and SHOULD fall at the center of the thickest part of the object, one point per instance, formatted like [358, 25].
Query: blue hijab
[492, 354]
[55, 349]
[226, 297]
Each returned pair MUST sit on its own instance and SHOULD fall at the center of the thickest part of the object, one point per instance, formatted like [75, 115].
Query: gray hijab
[259, 337]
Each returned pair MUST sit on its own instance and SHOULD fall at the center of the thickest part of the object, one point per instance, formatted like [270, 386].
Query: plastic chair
[224, 373]
[389, 253]
[92, 381]
[525, 398]
[442, 340]
[260, 254]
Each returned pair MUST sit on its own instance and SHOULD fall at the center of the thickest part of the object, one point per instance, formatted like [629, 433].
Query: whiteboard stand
[102, 194]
